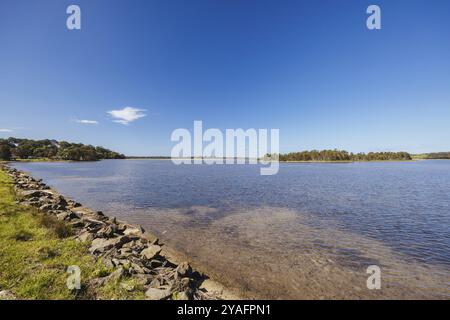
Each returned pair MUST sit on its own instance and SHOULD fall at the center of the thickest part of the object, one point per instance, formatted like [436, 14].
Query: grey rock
[36, 193]
[7, 295]
[134, 231]
[62, 216]
[86, 237]
[100, 245]
[151, 252]
[75, 215]
[46, 207]
[184, 270]
[107, 232]
[157, 294]
[76, 224]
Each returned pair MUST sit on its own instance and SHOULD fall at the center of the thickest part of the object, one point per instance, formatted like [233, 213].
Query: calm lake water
[308, 232]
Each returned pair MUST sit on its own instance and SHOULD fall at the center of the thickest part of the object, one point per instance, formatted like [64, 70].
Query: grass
[36, 250]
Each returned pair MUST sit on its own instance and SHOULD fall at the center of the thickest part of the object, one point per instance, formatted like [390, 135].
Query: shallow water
[310, 231]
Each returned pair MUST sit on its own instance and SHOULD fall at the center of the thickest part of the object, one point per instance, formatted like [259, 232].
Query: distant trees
[5, 152]
[52, 149]
[437, 155]
[342, 155]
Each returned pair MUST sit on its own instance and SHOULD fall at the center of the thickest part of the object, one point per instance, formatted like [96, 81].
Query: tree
[5, 152]
[52, 149]
[342, 155]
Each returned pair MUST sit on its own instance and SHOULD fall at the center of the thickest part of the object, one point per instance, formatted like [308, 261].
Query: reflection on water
[309, 232]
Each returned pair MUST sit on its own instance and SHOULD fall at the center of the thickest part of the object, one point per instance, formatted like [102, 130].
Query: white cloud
[5, 130]
[87, 121]
[127, 115]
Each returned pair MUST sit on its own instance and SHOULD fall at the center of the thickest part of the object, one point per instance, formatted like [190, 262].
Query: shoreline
[42, 160]
[128, 249]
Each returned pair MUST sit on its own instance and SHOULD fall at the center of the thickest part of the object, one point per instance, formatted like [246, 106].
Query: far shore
[209, 159]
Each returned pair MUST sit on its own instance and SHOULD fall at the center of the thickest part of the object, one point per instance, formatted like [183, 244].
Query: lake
[309, 232]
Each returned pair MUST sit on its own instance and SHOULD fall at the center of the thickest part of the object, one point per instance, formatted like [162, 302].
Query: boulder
[62, 216]
[151, 252]
[184, 270]
[7, 295]
[101, 245]
[107, 232]
[86, 237]
[134, 231]
[46, 207]
[76, 224]
[36, 193]
[157, 294]
[74, 215]
[91, 223]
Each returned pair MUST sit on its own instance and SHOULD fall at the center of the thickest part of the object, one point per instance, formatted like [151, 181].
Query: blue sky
[310, 68]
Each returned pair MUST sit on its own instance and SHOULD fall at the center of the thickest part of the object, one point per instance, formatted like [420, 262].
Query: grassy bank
[36, 250]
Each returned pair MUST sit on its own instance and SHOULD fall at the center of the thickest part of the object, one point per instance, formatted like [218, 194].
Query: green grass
[35, 251]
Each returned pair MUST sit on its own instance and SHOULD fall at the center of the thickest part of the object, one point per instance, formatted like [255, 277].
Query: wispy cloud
[87, 121]
[127, 115]
[5, 130]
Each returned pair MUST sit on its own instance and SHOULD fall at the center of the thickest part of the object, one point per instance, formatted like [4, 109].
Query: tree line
[14, 148]
[437, 155]
[342, 155]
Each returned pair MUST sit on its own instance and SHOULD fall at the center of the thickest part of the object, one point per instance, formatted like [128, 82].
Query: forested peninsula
[26, 149]
[342, 155]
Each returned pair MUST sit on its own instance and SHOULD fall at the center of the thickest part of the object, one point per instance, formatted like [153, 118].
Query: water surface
[308, 232]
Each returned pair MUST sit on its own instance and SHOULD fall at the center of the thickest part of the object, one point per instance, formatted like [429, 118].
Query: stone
[62, 216]
[212, 286]
[130, 244]
[116, 274]
[142, 279]
[134, 231]
[7, 295]
[151, 252]
[128, 287]
[36, 193]
[107, 232]
[46, 207]
[156, 263]
[86, 237]
[125, 252]
[100, 245]
[74, 215]
[157, 294]
[73, 204]
[92, 223]
[60, 201]
[135, 268]
[184, 270]
[108, 263]
[76, 224]
[182, 295]
[149, 238]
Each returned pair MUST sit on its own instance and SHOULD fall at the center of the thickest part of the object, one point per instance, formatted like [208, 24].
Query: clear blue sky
[310, 68]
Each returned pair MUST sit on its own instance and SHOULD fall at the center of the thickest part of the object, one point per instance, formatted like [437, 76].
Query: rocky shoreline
[127, 249]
